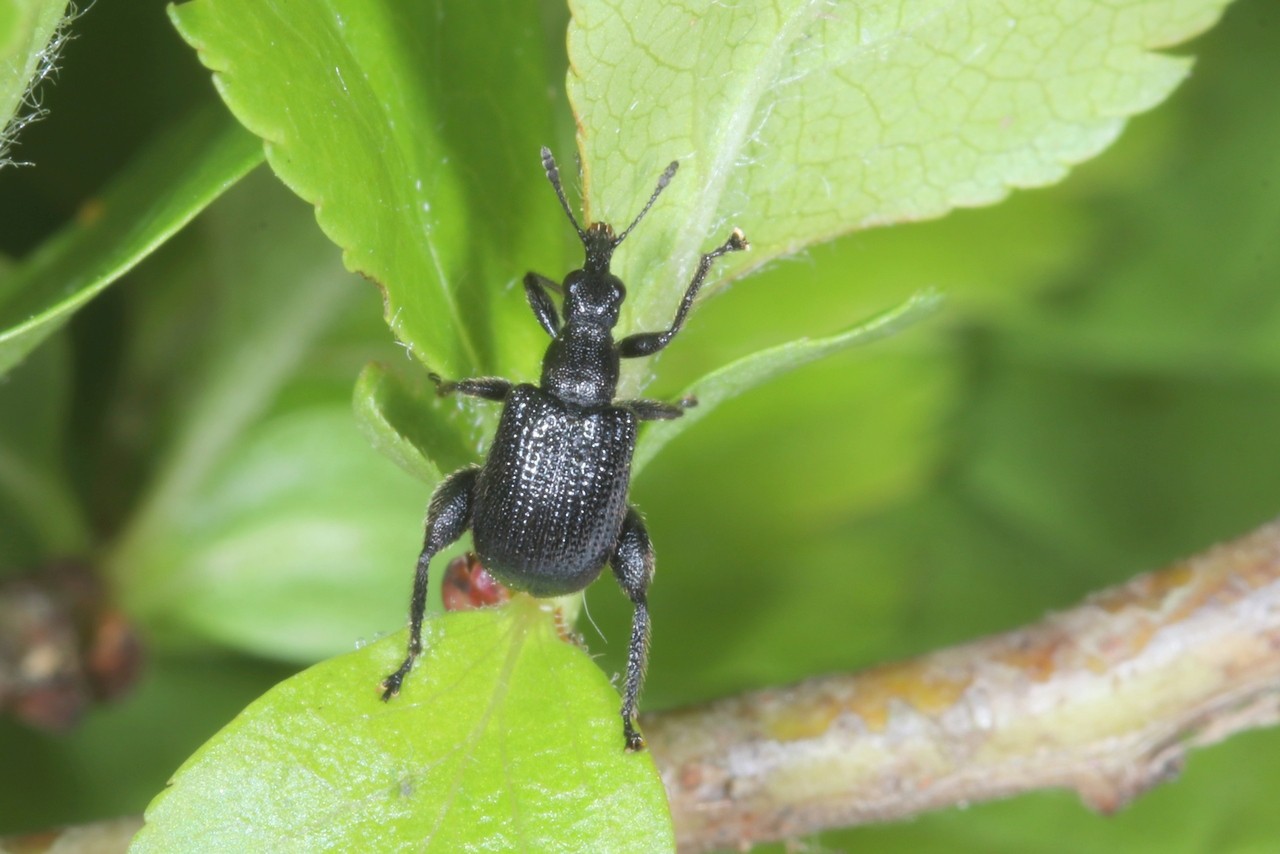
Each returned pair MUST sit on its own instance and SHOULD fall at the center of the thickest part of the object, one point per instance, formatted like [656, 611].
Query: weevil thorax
[581, 364]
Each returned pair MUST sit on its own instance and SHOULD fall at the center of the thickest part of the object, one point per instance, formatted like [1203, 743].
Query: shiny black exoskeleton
[548, 509]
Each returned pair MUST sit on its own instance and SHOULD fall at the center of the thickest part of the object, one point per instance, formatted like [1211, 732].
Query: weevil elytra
[548, 508]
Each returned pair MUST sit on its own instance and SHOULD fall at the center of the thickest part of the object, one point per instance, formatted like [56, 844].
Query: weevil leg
[633, 565]
[648, 343]
[489, 388]
[448, 517]
[657, 410]
[535, 288]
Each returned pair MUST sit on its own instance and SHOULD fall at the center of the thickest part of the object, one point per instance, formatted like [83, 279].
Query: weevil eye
[618, 294]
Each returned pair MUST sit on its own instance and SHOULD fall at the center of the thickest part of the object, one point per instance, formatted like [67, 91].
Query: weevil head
[593, 294]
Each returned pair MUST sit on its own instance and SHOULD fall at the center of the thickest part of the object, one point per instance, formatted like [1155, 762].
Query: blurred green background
[1098, 397]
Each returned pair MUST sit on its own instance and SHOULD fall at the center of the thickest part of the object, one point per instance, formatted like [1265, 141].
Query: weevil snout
[599, 243]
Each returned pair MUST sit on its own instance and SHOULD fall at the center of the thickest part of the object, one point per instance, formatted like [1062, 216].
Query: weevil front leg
[648, 343]
[657, 410]
[632, 564]
[448, 517]
[489, 388]
[535, 288]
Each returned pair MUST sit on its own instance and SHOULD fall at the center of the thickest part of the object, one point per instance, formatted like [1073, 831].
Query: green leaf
[165, 186]
[410, 424]
[764, 365]
[802, 120]
[40, 513]
[300, 540]
[269, 524]
[504, 738]
[392, 420]
[1183, 279]
[1067, 467]
[29, 41]
[415, 133]
[119, 756]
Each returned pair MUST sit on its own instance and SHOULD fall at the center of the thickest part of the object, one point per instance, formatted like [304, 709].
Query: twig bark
[1105, 698]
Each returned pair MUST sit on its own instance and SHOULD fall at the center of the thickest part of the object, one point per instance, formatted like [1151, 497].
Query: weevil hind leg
[448, 517]
[633, 566]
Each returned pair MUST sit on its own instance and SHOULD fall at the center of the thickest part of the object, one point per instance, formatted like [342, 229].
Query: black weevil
[548, 508]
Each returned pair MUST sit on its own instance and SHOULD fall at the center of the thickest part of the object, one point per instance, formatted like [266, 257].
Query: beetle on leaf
[548, 508]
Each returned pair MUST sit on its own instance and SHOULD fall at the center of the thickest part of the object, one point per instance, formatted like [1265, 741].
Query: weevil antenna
[553, 175]
[663, 180]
